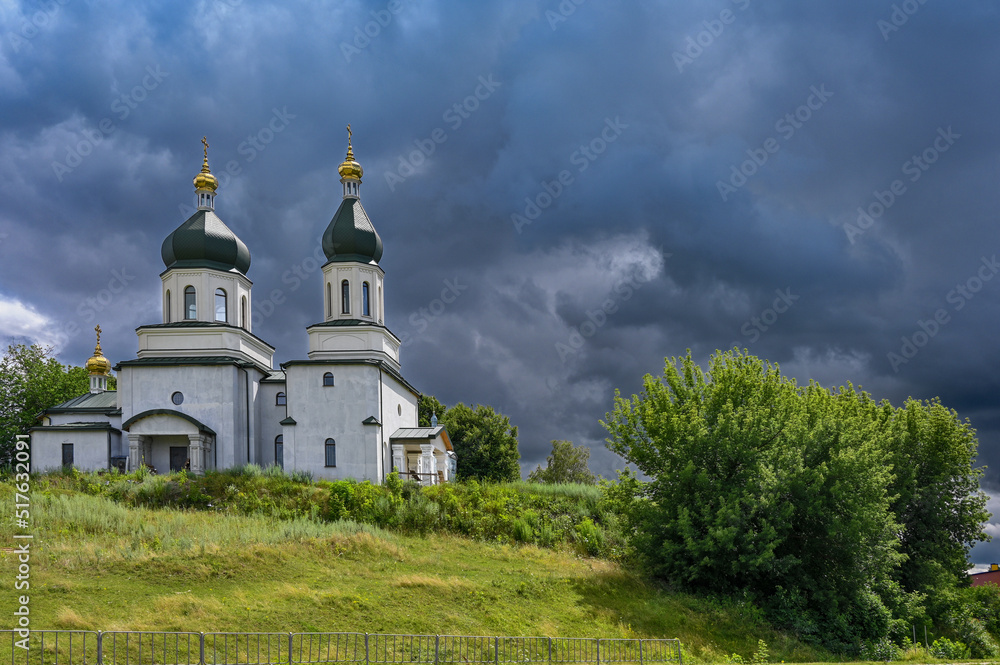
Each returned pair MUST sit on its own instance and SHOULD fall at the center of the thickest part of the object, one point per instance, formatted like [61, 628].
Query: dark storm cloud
[534, 157]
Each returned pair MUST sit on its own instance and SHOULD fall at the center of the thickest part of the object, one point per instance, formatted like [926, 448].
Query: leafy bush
[945, 648]
[882, 649]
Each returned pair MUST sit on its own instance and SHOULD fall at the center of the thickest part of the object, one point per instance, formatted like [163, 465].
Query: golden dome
[205, 179]
[350, 168]
[98, 364]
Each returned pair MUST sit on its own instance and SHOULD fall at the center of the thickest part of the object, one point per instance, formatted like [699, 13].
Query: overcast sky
[568, 190]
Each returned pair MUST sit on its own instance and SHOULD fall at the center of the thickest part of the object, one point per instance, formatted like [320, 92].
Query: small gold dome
[205, 179]
[98, 364]
[350, 168]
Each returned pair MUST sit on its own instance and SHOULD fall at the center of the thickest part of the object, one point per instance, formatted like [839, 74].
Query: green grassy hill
[99, 563]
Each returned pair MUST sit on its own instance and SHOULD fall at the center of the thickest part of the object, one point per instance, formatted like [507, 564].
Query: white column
[428, 464]
[398, 458]
[196, 453]
[134, 451]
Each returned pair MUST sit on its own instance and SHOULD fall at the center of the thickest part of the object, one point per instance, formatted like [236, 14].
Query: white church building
[202, 392]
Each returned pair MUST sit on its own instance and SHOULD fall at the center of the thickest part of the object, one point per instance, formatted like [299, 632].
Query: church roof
[417, 432]
[73, 427]
[351, 235]
[204, 241]
[104, 401]
[423, 434]
[176, 361]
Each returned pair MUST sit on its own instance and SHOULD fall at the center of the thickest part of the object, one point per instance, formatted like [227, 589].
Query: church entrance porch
[423, 454]
[169, 441]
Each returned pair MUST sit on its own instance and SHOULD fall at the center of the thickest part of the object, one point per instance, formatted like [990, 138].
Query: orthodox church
[202, 392]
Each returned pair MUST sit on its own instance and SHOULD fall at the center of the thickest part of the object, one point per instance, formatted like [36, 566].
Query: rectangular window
[67, 454]
[279, 454]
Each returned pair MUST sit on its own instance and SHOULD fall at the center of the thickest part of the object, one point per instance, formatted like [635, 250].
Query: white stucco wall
[215, 395]
[90, 448]
[400, 410]
[269, 415]
[335, 412]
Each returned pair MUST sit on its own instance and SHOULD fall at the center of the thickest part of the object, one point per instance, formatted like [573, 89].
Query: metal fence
[82, 647]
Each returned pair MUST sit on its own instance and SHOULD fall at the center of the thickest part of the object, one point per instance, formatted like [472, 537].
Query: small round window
[177, 398]
[399, 409]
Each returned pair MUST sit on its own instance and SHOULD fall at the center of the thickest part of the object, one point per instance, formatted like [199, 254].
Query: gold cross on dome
[349, 134]
[204, 142]
[98, 329]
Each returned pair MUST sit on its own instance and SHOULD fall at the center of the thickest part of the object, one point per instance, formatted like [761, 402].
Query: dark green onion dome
[351, 236]
[204, 241]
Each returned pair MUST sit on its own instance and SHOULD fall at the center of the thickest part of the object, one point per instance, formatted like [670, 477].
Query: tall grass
[569, 515]
[110, 530]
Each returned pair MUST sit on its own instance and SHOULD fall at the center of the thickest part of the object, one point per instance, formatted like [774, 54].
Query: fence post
[598, 651]
[100, 647]
[680, 654]
[366, 648]
[201, 648]
[550, 649]
[289, 648]
[437, 644]
[496, 650]
[640, 652]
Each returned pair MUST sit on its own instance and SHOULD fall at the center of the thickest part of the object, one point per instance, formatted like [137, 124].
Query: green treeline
[847, 520]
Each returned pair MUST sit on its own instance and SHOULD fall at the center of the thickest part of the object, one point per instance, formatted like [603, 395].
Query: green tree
[792, 495]
[485, 443]
[566, 464]
[31, 380]
[428, 406]
[938, 501]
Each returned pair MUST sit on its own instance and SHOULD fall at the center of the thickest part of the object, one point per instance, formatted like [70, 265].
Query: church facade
[202, 392]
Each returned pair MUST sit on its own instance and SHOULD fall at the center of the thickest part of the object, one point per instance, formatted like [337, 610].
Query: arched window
[329, 300]
[279, 451]
[366, 307]
[381, 307]
[345, 297]
[243, 312]
[328, 379]
[280, 399]
[190, 305]
[166, 308]
[331, 452]
[220, 306]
